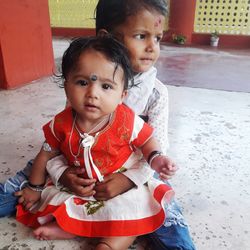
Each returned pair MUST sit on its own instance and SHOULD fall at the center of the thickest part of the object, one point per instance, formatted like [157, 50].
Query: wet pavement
[205, 67]
[209, 132]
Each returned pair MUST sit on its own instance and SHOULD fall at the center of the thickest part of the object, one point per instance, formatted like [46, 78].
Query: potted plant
[214, 39]
[179, 38]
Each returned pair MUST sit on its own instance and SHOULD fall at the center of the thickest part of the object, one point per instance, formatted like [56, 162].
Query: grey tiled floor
[209, 133]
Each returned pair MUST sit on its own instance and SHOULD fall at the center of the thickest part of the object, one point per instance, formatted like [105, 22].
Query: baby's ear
[65, 87]
[102, 32]
[124, 94]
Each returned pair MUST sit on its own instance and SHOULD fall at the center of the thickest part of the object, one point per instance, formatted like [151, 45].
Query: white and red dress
[135, 212]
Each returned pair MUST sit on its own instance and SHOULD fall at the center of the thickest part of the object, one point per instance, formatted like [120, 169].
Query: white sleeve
[56, 167]
[157, 112]
[139, 173]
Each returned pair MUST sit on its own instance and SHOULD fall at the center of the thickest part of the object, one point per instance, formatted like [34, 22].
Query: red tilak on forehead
[158, 22]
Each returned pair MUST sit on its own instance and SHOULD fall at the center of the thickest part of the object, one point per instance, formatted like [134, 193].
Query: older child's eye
[106, 86]
[158, 38]
[140, 36]
[82, 82]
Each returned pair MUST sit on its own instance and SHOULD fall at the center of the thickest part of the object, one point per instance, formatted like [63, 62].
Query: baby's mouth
[91, 106]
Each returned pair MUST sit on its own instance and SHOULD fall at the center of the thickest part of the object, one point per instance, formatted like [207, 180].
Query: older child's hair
[109, 47]
[111, 13]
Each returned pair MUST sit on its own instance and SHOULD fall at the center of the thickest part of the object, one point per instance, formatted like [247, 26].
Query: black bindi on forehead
[93, 77]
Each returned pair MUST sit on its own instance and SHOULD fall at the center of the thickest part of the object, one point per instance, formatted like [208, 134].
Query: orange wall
[2, 75]
[25, 42]
[181, 18]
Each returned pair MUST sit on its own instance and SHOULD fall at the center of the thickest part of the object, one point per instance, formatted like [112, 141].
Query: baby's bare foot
[51, 231]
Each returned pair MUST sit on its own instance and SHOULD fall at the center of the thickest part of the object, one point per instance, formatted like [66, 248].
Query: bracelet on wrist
[153, 155]
[47, 148]
[36, 188]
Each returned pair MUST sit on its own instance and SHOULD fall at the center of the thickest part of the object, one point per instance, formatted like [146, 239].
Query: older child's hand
[28, 197]
[164, 166]
[113, 185]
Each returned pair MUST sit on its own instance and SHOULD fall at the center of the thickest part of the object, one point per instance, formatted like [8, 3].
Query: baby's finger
[88, 182]
[175, 167]
[164, 176]
[18, 193]
[79, 170]
[164, 171]
[171, 173]
[87, 190]
[21, 200]
[26, 205]
[84, 182]
[29, 205]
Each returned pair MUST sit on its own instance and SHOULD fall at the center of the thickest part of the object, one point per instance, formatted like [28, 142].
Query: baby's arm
[31, 194]
[158, 162]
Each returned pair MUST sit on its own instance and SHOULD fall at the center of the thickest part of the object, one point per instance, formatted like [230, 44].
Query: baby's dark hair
[111, 13]
[108, 46]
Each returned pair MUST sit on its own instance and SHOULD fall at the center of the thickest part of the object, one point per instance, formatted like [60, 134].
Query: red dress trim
[99, 228]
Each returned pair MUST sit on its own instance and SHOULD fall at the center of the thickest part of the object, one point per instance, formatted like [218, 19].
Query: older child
[139, 26]
[100, 134]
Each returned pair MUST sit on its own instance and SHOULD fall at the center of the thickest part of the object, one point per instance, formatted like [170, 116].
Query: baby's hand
[28, 197]
[164, 166]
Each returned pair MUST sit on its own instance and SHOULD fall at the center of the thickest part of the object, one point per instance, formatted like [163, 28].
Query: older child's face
[93, 89]
[141, 34]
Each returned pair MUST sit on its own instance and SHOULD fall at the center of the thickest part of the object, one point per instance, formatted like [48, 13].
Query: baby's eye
[140, 36]
[106, 86]
[82, 82]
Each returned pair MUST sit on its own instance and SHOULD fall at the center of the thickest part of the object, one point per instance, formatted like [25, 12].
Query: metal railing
[224, 16]
[72, 13]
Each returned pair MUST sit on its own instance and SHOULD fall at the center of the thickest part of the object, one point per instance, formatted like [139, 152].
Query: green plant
[215, 34]
[179, 38]
[214, 39]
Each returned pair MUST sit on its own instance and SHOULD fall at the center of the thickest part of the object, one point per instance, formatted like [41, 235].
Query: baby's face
[141, 34]
[95, 87]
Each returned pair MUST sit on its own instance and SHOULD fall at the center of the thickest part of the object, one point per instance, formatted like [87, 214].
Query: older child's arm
[30, 194]
[157, 112]
[113, 184]
[58, 168]
[72, 178]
